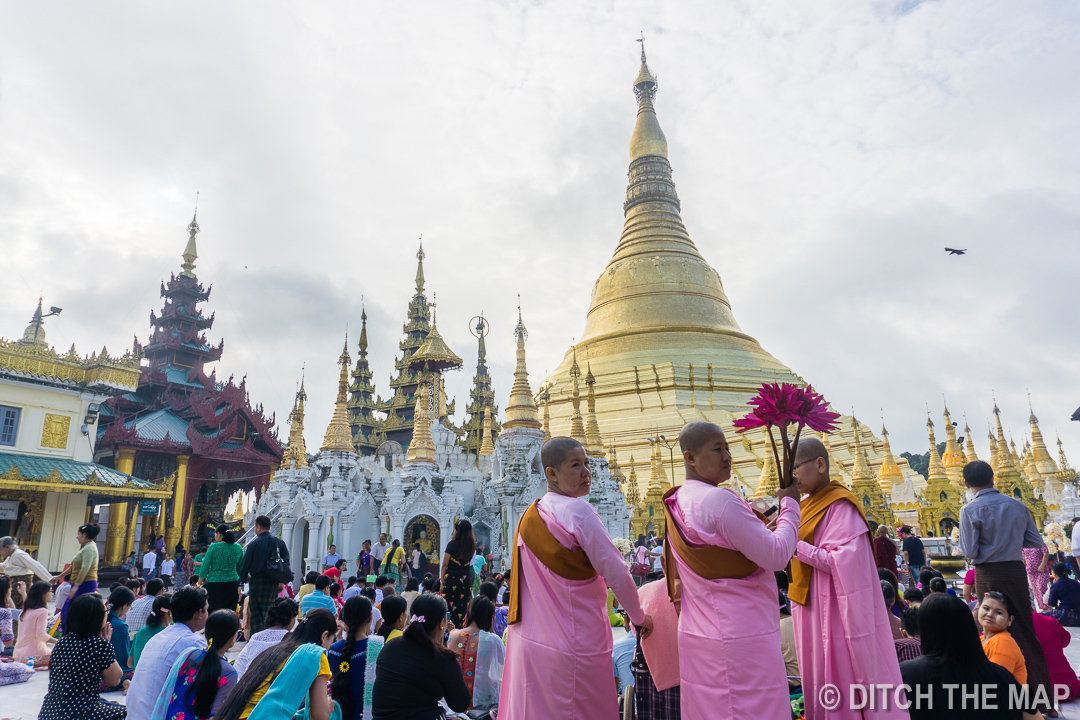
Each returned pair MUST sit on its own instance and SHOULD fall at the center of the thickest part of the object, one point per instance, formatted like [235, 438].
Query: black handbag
[277, 568]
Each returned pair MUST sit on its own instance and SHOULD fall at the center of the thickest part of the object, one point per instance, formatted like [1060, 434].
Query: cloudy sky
[825, 153]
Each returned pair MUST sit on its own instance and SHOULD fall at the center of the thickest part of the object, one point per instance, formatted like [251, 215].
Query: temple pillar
[316, 545]
[129, 532]
[115, 541]
[173, 535]
[345, 546]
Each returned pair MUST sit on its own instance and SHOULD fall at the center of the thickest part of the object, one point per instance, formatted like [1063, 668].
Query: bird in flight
[954, 251]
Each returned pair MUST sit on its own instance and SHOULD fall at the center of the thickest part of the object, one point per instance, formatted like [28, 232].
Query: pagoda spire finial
[338, 435]
[190, 253]
[420, 267]
[521, 409]
[969, 444]
[889, 474]
[648, 138]
[486, 446]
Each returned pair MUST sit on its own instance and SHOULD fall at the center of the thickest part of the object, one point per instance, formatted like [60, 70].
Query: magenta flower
[781, 405]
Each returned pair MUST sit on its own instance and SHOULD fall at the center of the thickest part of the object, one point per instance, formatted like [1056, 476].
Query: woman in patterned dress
[200, 680]
[1038, 572]
[82, 659]
[456, 569]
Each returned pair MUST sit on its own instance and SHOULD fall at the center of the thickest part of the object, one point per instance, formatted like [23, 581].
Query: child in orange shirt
[996, 614]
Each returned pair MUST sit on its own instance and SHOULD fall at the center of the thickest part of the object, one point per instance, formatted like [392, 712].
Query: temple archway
[423, 529]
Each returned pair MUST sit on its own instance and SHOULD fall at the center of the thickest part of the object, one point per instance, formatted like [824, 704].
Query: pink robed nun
[558, 658]
[843, 635]
[730, 659]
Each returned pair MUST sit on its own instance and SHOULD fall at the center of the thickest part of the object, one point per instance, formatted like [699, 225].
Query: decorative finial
[190, 254]
[642, 41]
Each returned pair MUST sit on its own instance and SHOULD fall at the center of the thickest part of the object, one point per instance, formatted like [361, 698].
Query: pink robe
[843, 636]
[558, 658]
[730, 661]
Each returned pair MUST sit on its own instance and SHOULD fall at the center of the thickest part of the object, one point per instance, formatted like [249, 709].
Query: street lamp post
[670, 445]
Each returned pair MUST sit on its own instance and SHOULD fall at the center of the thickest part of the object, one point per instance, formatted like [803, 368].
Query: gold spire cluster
[338, 436]
[521, 409]
[296, 452]
[769, 482]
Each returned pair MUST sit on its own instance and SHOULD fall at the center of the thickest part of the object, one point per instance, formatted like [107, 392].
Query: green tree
[921, 463]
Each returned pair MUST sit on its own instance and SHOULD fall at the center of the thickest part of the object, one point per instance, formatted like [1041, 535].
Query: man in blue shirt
[331, 558]
[318, 598]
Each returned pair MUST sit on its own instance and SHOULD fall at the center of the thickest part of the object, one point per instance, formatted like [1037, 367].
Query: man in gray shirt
[994, 529]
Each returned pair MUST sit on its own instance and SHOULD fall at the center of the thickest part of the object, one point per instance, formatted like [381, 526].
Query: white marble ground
[23, 701]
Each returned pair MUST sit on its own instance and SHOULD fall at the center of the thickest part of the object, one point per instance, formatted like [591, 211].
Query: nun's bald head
[695, 434]
[810, 448]
[705, 452]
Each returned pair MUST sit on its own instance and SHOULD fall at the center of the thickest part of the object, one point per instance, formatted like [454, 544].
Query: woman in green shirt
[84, 567]
[221, 570]
[156, 621]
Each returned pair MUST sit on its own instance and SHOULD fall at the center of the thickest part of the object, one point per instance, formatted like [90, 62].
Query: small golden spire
[768, 482]
[1067, 473]
[422, 446]
[953, 459]
[521, 409]
[860, 470]
[834, 463]
[338, 436]
[594, 444]
[633, 492]
[577, 424]
[190, 253]
[658, 478]
[545, 397]
[486, 447]
[1040, 453]
[34, 335]
[969, 444]
[889, 474]
[937, 468]
[296, 452]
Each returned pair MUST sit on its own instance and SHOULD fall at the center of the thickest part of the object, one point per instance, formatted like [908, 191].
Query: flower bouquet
[782, 405]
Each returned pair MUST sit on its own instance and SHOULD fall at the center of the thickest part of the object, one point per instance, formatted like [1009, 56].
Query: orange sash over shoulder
[567, 564]
[708, 561]
[813, 510]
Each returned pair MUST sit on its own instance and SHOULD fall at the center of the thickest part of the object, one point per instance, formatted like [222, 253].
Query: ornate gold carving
[54, 432]
[15, 480]
[46, 363]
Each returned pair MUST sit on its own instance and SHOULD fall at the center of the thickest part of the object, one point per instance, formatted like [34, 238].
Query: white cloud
[824, 155]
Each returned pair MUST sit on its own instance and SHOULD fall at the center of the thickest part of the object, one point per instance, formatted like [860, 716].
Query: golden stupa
[660, 338]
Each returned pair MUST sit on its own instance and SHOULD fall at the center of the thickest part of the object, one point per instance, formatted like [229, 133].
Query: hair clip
[210, 643]
[417, 618]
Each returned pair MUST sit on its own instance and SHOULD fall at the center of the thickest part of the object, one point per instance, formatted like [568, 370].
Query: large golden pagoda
[662, 343]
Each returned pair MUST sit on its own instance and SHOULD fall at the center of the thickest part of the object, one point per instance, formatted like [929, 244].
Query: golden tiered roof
[486, 446]
[953, 458]
[362, 422]
[594, 445]
[577, 424]
[296, 451]
[889, 474]
[521, 409]
[338, 436]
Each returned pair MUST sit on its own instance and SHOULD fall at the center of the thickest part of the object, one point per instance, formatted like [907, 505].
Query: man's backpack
[277, 568]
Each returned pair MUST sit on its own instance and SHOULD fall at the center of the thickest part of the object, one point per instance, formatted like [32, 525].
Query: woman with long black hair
[352, 661]
[456, 571]
[200, 680]
[952, 659]
[417, 670]
[282, 678]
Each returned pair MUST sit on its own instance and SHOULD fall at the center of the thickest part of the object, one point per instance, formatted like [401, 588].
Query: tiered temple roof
[481, 398]
[178, 409]
[364, 425]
